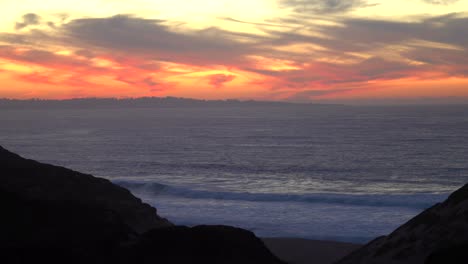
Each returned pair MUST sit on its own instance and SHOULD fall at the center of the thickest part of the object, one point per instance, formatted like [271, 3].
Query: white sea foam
[151, 188]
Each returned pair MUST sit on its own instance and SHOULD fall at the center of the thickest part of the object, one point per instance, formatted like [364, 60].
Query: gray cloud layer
[392, 49]
[28, 20]
[154, 39]
[324, 6]
[441, 2]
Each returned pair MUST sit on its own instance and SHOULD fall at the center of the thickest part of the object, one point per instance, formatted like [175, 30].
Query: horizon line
[374, 102]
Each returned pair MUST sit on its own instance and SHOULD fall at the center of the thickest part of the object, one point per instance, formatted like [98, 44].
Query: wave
[417, 201]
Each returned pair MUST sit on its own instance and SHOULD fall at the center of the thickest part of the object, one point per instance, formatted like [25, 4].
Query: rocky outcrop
[54, 215]
[67, 232]
[35, 231]
[437, 235]
[200, 244]
[32, 180]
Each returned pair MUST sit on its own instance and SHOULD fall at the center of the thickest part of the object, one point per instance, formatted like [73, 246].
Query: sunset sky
[294, 50]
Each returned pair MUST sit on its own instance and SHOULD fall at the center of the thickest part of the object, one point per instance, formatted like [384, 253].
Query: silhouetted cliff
[36, 181]
[51, 214]
[437, 235]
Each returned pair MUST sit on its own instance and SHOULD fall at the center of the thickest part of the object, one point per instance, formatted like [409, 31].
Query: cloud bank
[299, 59]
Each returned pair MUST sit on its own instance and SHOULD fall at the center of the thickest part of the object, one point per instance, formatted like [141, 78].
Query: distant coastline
[142, 102]
[181, 102]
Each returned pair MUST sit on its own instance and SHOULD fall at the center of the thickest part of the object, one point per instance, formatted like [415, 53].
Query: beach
[305, 251]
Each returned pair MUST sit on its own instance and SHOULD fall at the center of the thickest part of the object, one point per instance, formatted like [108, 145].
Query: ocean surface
[341, 173]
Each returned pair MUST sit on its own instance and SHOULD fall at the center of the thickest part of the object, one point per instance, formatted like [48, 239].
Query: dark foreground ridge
[55, 215]
[439, 235]
[35, 181]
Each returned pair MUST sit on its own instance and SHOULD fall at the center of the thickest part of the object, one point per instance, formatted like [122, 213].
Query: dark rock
[36, 181]
[200, 244]
[57, 232]
[54, 215]
[438, 233]
[453, 255]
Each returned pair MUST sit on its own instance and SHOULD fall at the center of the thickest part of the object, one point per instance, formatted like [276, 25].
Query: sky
[291, 50]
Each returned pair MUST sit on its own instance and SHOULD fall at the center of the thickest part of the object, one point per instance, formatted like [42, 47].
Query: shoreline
[303, 251]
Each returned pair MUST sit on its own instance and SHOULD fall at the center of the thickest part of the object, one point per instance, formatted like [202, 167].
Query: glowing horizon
[293, 50]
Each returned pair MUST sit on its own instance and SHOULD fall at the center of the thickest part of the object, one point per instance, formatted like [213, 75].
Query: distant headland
[141, 102]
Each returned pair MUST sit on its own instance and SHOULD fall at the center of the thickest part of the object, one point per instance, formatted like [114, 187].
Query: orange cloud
[125, 56]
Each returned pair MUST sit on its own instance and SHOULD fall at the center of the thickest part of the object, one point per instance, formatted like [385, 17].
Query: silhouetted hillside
[54, 215]
[32, 180]
[436, 236]
[145, 102]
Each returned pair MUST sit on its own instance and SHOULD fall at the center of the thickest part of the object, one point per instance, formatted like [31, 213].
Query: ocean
[344, 173]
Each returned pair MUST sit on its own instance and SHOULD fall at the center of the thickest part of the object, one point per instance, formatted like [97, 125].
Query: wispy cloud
[156, 40]
[441, 2]
[324, 6]
[294, 57]
[28, 20]
[217, 80]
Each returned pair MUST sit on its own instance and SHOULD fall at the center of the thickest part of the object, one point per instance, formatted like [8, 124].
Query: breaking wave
[419, 201]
